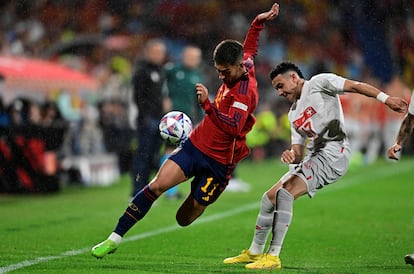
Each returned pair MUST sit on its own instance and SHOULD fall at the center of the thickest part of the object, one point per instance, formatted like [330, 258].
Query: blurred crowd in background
[371, 41]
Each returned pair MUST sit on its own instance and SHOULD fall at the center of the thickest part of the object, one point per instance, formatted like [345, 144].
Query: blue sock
[136, 210]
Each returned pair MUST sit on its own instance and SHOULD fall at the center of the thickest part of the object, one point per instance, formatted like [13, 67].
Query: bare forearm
[405, 129]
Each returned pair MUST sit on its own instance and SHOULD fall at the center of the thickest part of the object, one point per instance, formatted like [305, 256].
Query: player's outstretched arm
[406, 128]
[395, 103]
[251, 40]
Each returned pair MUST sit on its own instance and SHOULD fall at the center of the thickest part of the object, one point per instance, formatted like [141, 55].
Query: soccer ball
[175, 126]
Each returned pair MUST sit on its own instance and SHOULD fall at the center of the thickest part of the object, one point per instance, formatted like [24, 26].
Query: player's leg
[262, 229]
[263, 226]
[312, 174]
[189, 211]
[205, 189]
[264, 223]
[293, 188]
[173, 192]
[264, 220]
[169, 175]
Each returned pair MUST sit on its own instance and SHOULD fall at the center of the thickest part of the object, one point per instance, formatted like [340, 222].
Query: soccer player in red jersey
[214, 147]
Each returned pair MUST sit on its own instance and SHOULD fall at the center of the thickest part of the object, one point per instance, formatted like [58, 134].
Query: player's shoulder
[248, 61]
[326, 80]
[323, 76]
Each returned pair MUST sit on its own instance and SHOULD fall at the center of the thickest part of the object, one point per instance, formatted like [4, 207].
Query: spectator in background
[150, 96]
[34, 115]
[181, 80]
[69, 107]
[57, 126]
[4, 116]
[116, 130]
[17, 112]
[91, 136]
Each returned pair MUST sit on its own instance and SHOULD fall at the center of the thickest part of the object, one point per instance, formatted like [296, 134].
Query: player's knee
[271, 195]
[186, 216]
[284, 200]
[156, 189]
[184, 219]
[284, 194]
[267, 204]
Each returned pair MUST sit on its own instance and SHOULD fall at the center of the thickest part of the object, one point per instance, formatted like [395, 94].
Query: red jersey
[221, 134]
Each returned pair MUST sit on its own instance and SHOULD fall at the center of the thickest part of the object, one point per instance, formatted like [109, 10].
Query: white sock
[282, 219]
[115, 237]
[263, 226]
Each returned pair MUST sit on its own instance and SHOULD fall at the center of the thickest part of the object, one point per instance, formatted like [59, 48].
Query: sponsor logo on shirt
[240, 106]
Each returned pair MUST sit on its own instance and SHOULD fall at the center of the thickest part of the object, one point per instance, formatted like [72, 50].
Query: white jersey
[317, 119]
[411, 105]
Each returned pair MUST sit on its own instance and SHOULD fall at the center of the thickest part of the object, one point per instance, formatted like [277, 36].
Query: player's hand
[201, 92]
[288, 157]
[166, 104]
[397, 104]
[271, 14]
[392, 151]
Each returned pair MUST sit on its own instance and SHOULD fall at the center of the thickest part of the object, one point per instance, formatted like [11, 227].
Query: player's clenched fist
[288, 157]
[201, 92]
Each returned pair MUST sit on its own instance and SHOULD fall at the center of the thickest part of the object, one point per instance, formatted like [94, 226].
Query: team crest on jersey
[307, 113]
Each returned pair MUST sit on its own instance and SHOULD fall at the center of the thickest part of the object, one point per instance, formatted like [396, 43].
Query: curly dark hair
[228, 52]
[285, 67]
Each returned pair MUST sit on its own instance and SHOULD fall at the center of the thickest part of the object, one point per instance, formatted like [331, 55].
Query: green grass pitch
[364, 223]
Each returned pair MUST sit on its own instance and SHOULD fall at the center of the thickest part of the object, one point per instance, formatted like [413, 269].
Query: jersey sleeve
[232, 112]
[329, 83]
[296, 138]
[251, 41]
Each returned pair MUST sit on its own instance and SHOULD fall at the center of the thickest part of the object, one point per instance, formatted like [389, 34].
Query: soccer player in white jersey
[406, 128]
[317, 126]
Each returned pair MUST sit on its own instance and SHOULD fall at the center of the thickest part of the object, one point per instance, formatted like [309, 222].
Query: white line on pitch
[70, 253]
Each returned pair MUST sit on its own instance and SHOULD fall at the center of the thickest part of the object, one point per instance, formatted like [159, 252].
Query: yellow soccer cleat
[267, 261]
[244, 257]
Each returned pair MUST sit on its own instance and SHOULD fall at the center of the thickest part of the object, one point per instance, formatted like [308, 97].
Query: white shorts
[320, 169]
